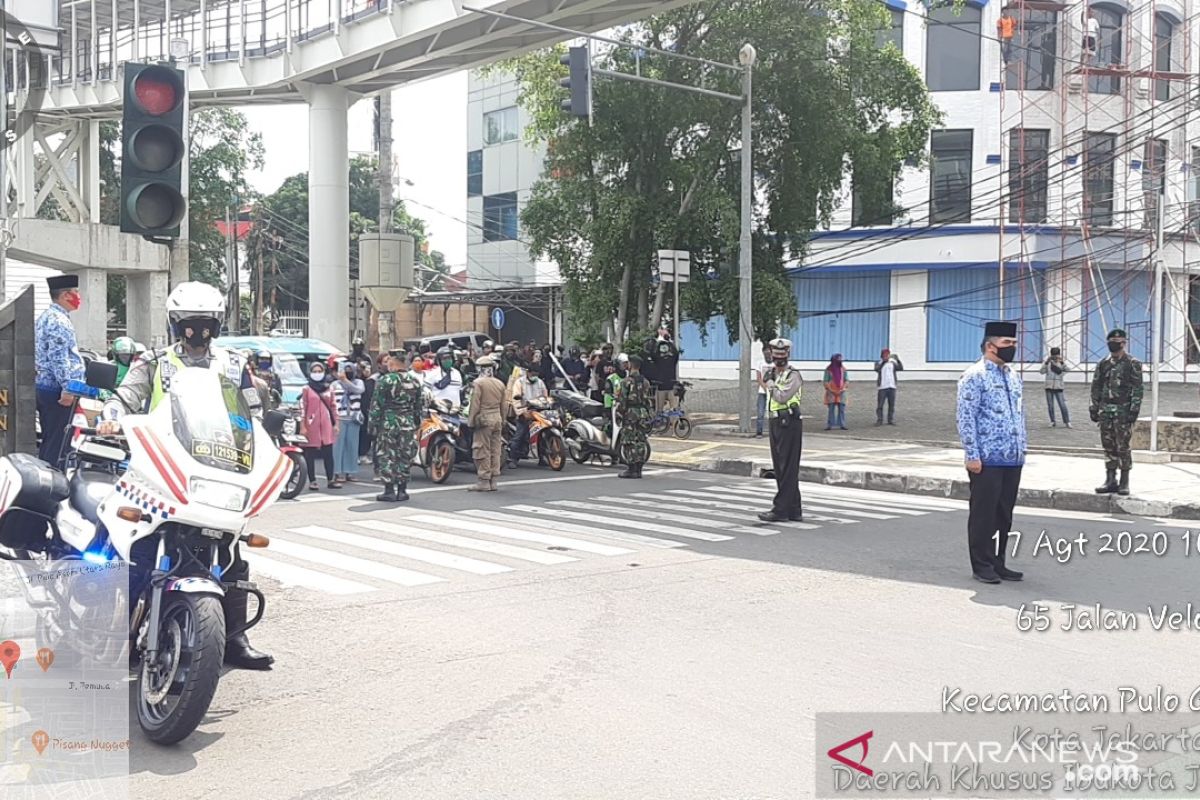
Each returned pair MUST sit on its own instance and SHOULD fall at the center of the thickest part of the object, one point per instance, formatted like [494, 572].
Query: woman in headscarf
[836, 381]
[319, 425]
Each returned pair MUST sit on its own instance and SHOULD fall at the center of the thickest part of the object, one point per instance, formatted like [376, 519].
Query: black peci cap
[58, 283]
[1006, 329]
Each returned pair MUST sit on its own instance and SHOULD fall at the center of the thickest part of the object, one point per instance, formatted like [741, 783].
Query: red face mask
[72, 301]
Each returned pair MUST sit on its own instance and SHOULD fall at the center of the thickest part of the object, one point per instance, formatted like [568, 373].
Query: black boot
[1123, 486]
[389, 493]
[638, 469]
[1110, 483]
[629, 472]
[402, 491]
[238, 652]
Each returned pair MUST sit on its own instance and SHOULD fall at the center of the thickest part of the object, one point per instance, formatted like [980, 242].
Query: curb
[951, 488]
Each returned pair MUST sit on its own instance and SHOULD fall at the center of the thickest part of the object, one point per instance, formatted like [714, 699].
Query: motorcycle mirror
[101, 375]
[273, 422]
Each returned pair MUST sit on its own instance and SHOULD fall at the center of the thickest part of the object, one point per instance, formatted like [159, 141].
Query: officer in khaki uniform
[784, 388]
[1116, 403]
[489, 409]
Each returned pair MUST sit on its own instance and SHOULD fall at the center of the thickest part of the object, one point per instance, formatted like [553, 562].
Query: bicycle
[675, 419]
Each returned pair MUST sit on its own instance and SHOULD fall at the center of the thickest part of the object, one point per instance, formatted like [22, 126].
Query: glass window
[501, 126]
[500, 217]
[1194, 191]
[1154, 179]
[474, 173]
[872, 197]
[1164, 36]
[1098, 165]
[1194, 318]
[1030, 59]
[894, 33]
[1110, 48]
[950, 176]
[1028, 174]
[952, 49]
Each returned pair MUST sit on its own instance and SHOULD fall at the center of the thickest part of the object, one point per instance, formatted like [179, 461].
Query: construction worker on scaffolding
[1091, 34]
[1006, 28]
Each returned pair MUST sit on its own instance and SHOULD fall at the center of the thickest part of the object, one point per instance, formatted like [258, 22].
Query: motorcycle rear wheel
[174, 693]
[553, 450]
[295, 481]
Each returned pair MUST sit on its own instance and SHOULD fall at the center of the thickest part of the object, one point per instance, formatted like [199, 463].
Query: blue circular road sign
[498, 318]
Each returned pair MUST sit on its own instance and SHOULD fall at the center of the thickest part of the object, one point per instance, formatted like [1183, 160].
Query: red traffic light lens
[155, 148]
[156, 91]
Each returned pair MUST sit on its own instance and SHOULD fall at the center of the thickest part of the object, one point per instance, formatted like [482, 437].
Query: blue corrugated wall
[857, 335]
[715, 348]
[962, 300]
[1125, 298]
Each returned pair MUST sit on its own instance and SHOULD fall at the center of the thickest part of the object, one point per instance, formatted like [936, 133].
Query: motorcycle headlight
[289, 426]
[218, 495]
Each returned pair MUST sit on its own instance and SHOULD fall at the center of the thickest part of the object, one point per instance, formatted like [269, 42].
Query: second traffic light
[152, 150]
[579, 82]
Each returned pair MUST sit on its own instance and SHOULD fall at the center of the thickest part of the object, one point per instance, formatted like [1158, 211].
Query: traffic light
[152, 149]
[579, 84]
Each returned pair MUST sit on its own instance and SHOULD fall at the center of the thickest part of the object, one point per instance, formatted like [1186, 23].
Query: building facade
[1039, 201]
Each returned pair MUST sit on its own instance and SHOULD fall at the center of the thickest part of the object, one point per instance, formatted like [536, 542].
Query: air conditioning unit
[1142, 87]
[1075, 83]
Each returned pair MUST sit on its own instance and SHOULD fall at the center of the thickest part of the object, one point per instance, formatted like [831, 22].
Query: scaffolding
[1090, 131]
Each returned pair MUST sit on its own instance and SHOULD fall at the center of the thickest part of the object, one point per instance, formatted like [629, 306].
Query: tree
[280, 234]
[659, 168]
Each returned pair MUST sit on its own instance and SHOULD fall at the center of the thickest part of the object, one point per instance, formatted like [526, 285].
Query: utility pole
[1156, 340]
[387, 205]
[746, 57]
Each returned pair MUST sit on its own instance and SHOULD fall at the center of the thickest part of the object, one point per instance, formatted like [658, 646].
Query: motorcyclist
[124, 350]
[613, 379]
[576, 369]
[444, 381]
[196, 312]
[265, 369]
[530, 393]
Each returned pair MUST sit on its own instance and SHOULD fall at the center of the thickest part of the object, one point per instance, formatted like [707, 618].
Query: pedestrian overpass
[325, 53]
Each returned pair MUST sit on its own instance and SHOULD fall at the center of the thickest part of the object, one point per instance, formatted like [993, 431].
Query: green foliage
[280, 235]
[659, 168]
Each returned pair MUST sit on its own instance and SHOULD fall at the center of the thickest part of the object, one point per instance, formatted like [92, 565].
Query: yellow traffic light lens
[155, 148]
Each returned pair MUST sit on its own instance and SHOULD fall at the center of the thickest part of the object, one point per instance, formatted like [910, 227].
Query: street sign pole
[747, 57]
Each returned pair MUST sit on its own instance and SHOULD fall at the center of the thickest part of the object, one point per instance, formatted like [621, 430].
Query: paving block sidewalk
[1049, 480]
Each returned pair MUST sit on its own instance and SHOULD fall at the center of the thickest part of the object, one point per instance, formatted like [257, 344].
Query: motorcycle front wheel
[295, 481]
[441, 460]
[175, 690]
[554, 451]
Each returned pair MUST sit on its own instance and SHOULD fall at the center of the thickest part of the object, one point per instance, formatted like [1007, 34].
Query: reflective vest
[170, 363]
[794, 402]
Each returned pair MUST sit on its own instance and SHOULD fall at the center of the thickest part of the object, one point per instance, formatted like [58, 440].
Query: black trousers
[880, 396]
[53, 419]
[310, 459]
[993, 495]
[786, 445]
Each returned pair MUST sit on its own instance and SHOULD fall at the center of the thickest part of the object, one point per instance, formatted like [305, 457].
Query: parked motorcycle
[288, 440]
[593, 432]
[545, 435]
[443, 440]
[199, 469]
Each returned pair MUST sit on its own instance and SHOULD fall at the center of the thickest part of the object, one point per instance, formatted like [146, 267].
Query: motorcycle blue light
[95, 558]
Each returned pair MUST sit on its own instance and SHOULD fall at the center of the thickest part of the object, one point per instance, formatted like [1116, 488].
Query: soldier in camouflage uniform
[396, 408]
[634, 397]
[1116, 401]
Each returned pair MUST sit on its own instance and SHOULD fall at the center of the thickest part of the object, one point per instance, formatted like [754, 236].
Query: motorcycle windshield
[211, 419]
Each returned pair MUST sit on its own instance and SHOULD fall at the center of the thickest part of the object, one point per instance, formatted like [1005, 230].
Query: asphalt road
[545, 643]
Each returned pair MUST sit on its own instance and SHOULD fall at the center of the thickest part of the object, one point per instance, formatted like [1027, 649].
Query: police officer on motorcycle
[196, 312]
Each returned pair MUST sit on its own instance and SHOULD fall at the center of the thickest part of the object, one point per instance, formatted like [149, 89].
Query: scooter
[200, 467]
[587, 433]
[545, 436]
[289, 443]
[443, 440]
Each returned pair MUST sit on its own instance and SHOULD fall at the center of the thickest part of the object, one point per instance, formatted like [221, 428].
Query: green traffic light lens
[156, 206]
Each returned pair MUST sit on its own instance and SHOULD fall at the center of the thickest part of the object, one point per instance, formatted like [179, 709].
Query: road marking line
[292, 575]
[888, 506]
[829, 505]
[668, 517]
[647, 526]
[687, 509]
[435, 557]
[523, 522]
[751, 505]
[478, 526]
[466, 542]
[336, 560]
[922, 500]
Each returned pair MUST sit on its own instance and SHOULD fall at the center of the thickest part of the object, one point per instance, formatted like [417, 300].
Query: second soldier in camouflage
[396, 409]
[1116, 403]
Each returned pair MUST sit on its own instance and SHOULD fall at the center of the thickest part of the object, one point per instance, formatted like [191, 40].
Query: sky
[430, 146]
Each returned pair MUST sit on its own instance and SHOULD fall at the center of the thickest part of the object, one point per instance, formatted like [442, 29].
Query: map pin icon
[45, 657]
[40, 740]
[10, 653]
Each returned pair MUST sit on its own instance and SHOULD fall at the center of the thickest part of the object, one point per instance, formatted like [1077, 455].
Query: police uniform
[395, 415]
[1116, 403]
[784, 389]
[633, 398]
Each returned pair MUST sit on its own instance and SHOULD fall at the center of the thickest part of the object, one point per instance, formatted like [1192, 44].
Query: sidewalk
[1049, 480]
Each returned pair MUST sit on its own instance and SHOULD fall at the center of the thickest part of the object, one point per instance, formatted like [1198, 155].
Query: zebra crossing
[420, 547]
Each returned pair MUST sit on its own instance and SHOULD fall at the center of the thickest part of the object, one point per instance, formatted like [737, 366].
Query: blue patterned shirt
[56, 352]
[991, 415]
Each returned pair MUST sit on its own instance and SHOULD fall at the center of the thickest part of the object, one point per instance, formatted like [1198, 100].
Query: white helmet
[195, 300]
[622, 359]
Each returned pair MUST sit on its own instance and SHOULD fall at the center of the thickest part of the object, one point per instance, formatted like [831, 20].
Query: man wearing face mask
[784, 388]
[1116, 403]
[444, 381]
[991, 426]
[57, 360]
[530, 393]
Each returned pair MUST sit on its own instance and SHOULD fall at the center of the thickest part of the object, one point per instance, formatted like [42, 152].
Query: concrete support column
[25, 173]
[91, 320]
[146, 307]
[328, 214]
[89, 169]
[909, 325]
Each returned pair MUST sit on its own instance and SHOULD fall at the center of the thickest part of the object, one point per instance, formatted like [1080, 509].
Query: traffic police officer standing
[787, 434]
[1116, 401]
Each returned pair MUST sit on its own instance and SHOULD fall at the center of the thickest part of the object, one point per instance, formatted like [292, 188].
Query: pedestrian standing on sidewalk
[1055, 368]
[836, 380]
[784, 388]
[760, 375]
[319, 426]
[885, 382]
[1116, 403]
[57, 361]
[489, 409]
[395, 416]
[991, 426]
[350, 419]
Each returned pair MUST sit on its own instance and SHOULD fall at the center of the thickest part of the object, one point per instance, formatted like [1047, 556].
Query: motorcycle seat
[599, 422]
[88, 490]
